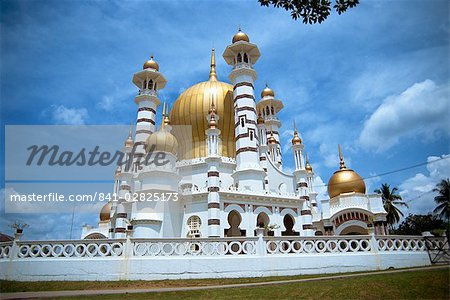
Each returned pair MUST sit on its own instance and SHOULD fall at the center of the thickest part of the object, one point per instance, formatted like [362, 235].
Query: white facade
[224, 196]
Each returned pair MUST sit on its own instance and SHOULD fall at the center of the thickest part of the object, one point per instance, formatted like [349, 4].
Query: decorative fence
[215, 247]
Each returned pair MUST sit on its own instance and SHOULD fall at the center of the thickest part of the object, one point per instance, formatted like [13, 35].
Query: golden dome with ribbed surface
[163, 141]
[105, 212]
[345, 181]
[192, 107]
[240, 36]
[151, 64]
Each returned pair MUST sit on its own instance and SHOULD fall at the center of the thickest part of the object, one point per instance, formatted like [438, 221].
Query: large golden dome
[345, 181]
[192, 107]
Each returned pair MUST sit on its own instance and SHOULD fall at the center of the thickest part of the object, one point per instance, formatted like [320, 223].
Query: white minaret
[309, 180]
[242, 54]
[268, 107]
[263, 148]
[213, 160]
[149, 81]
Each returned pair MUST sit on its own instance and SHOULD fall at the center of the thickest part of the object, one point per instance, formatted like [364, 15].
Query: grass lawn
[421, 284]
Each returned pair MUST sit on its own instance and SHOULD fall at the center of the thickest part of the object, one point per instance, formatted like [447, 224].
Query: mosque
[224, 166]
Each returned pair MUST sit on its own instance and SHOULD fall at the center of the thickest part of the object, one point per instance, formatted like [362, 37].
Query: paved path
[50, 294]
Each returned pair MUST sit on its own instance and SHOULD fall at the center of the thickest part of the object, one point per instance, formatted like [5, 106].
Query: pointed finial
[341, 158]
[307, 165]
[212, 72]
[295, 128]
[239, 27]
[212, 108]
[163, 113]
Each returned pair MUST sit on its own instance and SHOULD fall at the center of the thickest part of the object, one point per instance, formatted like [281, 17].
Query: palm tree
[390, 202]
[443, 199]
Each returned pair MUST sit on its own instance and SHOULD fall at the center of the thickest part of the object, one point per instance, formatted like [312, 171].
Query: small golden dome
[271, 139]
[129, 140]
[105, 213]
[267, 92]
[240, 36]
[260, 119]
[296, 140]
[163, 141]
[151, 64]
[308, 167]
[345, 180]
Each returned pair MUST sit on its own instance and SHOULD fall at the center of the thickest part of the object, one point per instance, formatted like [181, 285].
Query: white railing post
[260, 243]
[128, 247]
[373, 242]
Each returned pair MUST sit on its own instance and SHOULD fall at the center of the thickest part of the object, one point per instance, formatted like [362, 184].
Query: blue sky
[375, 79]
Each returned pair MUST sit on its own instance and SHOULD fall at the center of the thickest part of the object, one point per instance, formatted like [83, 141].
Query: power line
[392, 172]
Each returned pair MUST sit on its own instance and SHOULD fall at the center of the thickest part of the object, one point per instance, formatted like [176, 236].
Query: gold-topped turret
[296, 140]
[151, 64]
[129, 140]
[267, 91]
[240, 36]
[308, 167]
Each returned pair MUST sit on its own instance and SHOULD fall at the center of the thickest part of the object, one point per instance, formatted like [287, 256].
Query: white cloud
[69, 116]
[320, 188]
[417, 190]
[421, 110]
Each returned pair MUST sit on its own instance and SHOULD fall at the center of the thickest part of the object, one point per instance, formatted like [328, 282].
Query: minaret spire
[341, 158]
[163, 114]
[212, 72]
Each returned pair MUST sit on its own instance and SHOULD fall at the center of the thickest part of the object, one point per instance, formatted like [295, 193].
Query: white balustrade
[194, 247]
[69, 249]
[288, 245]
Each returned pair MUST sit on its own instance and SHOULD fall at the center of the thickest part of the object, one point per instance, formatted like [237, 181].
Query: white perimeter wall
[228, 266]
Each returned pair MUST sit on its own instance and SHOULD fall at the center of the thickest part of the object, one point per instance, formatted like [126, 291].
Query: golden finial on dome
[212, 72]
[296, 140]
[151, 64]
[267, 92]
[129, 140]
[308, 167]
[240, 36]
[212, 123]
[341, 158]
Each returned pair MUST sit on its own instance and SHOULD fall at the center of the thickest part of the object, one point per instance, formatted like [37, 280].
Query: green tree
[416, 224]
[311, 11]
[390, 202]
[443, 199]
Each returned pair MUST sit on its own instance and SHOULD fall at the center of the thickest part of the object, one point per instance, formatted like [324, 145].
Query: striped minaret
[268, 107]
[213, 160]
[242, 55]
[263, 148]
[149, 81]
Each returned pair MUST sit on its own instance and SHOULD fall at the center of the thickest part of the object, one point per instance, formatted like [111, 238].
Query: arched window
[267, 110]
[144, 86]
[194, 224]
[245, 58]
[150, 84]
[272, 110]
[242, 122]
[239, 58]
[251, 135]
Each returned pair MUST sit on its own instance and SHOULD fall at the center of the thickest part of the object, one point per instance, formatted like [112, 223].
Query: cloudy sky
[375, 79]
